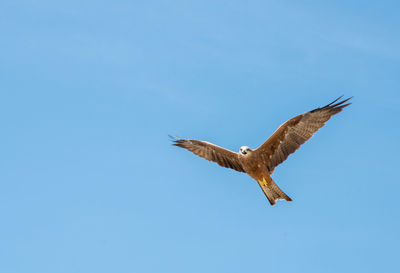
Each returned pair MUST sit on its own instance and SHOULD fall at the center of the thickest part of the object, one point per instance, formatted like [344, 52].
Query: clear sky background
[90, 90]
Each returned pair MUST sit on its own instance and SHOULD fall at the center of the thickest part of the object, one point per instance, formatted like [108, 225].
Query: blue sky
[91, 89]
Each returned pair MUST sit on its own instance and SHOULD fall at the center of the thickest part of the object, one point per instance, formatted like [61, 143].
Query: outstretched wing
[290, 135]
[211, 152]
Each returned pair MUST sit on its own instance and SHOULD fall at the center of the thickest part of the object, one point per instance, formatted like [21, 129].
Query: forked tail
[272, 191]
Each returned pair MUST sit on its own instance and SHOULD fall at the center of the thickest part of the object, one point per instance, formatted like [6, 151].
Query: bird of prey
[260, 163]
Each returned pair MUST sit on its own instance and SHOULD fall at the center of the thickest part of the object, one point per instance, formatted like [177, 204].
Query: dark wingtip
[340, 103]
[333, 101]
[335, 104]
[173, 137]
[175, 140]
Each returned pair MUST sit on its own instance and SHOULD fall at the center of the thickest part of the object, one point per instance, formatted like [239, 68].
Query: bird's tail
[272, 191]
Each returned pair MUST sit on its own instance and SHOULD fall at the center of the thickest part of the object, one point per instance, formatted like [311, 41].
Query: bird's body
[261, 162]
[253, 167]
[259, 172]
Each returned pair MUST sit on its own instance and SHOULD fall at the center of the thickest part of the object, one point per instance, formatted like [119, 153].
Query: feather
[211, 152]
[293, 133]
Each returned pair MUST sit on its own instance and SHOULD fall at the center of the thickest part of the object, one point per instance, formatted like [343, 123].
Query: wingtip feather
[176, 141]
[335, 105]
[333, 101]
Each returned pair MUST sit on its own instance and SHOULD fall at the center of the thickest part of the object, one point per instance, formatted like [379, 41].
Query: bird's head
[244, 150]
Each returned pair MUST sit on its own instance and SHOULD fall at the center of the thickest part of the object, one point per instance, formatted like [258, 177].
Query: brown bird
[261, 162]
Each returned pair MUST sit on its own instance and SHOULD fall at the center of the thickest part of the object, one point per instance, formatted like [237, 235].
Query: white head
[244, 150]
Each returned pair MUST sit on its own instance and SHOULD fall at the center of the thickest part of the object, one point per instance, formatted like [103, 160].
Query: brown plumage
[261, 162]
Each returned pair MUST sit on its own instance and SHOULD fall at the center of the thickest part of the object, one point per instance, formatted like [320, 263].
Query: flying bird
[260, 163]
